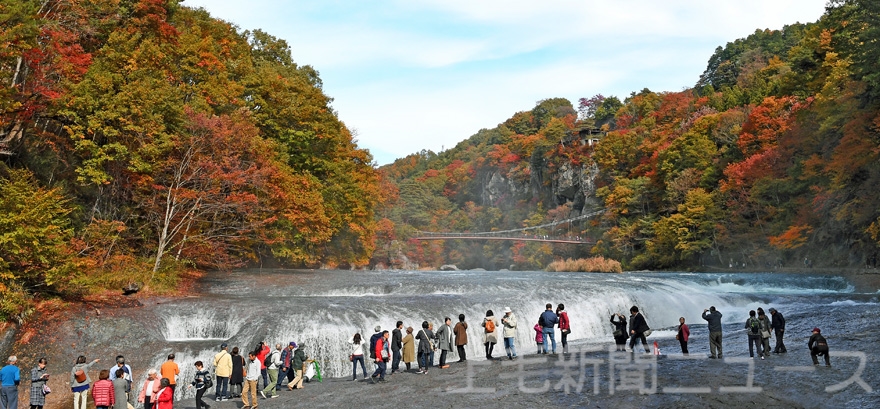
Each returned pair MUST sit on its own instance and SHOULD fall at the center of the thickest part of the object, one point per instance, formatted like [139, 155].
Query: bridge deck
[467, 237]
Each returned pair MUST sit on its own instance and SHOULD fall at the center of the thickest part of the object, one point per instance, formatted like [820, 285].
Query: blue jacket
[550, 318]
[10, 376]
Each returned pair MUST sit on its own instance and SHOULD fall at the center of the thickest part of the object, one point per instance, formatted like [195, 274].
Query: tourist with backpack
[273, 363]
[201, 381]
[80, 381]
[383, 355]
[548, 320]
[297, 364]
[753, 329]
[818, 346]
[373, 339]
[490, 336]
[461, 338]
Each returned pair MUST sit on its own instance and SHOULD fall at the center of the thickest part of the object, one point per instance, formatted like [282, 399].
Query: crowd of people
[233, 376]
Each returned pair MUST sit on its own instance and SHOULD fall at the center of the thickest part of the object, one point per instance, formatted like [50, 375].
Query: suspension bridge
[522, 234]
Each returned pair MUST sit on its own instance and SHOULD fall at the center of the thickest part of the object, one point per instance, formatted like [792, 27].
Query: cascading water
[323, 309]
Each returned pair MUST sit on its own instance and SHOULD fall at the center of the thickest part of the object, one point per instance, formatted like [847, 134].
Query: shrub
[588, 265]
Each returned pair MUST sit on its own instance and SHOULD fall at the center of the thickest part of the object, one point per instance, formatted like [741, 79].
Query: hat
[772, 310]
[223, 345]
[293, 344]
[817, 330]
[507, 309]
[378, 328]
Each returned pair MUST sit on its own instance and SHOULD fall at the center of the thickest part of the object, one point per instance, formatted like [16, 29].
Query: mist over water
[323, 309]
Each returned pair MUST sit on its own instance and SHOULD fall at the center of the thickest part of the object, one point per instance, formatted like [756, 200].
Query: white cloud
[411, 75]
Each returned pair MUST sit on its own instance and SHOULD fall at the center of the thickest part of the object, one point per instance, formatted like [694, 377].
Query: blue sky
[408, 75]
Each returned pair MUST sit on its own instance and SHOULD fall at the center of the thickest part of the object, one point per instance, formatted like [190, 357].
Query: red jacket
[685, 332]
[261, 356]
[563, 320]
[102, 391]
[380, 345]
[165, 399]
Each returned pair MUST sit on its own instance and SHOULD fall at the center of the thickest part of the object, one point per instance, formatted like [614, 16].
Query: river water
[323, 309]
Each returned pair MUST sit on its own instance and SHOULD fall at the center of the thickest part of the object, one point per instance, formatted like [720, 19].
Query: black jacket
[639, 325]
[396, 340]
[777, 321]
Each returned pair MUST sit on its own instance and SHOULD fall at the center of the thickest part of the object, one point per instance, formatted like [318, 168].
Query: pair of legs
[540, 347]
[9, 397]
[250, 386]
[235, 390]
[80, 397]
[510, 347]
[354, 366]
[756, 343]
[490, 346]
[565, 341]
[269, 390]
[297, 381]
[381, 366]
[780, 346]
[684, 346]
[551, 333]
[443, 358]
[715, 344]
[815, 354]
[423, 361]
[200, 404]
[765, 342]
[395, 360]
[221, 389]
[282, 374]
[461, 354]
[639, 337]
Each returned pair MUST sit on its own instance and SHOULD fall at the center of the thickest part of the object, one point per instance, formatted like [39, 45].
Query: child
[539, 337]
[201, 382]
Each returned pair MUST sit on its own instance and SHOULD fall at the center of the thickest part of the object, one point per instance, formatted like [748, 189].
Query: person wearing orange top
[170, 370]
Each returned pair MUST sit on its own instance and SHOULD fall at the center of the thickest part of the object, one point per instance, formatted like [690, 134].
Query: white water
[323, 309]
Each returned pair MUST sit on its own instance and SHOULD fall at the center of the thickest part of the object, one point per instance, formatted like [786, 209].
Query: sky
[408, 75]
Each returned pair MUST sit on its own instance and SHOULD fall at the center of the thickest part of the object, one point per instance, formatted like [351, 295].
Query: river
[323, 309]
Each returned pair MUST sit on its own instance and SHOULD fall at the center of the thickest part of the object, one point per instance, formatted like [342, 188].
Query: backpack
[267, 361]
[754, 326]
[490, 326]
[821, 344]
[373, 340]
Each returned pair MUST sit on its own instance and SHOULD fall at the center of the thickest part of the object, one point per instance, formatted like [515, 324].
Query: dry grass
[588, 265]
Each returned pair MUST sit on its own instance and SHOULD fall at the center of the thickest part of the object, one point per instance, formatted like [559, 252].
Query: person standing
[80, 381]
[753, 329]
[382, 356]
[765, 332]
[103, 391]
[620, 334]
[10, 378]
[222, 372]
[261, 351]
[548, 320]
[564, 326]
[490, 333]
[539, 337]
[433, 344]
[126, 374]
[818, 346]
[165, 395]
[39, 377]
[778, 325]
[150, 390]
[508, 321]
[409, 349]
[357, 355]
[285, 372]
[297, 364]
[461, 339]
[120, 389]
[425, 347]
[713, 317]
[637, 328]
[682, 336]
[251, 380]
[396, 346]
[445, 341]
[239, 372]
[170, 370]
[272, 369]
[200, 381]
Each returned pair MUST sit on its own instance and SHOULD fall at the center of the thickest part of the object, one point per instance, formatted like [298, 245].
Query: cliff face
[574, 185]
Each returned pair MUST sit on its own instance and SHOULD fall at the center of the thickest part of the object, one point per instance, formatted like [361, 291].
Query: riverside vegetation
[143, 139]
